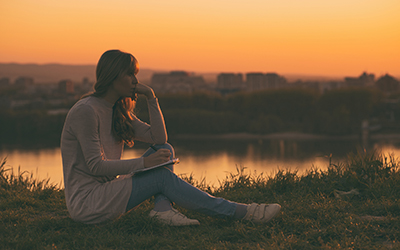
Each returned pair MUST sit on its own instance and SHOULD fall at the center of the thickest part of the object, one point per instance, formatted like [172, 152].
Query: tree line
[337, 112]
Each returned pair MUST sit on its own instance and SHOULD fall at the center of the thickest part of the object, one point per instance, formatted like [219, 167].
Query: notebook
[173, 161]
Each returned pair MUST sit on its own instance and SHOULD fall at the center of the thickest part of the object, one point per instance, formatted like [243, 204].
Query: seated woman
[94, 133]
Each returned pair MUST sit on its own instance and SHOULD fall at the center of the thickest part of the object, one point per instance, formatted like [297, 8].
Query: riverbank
[233, 136]
[353, 204]
[283, 136]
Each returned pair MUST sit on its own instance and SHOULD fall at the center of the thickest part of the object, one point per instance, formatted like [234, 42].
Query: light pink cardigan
[91, 159]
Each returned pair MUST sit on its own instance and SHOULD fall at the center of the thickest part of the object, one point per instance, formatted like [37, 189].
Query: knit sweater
[91, 158]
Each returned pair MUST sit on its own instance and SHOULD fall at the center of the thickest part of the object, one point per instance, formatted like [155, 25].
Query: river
[212, 160]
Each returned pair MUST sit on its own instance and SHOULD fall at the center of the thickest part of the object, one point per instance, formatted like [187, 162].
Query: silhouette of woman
[99, 186]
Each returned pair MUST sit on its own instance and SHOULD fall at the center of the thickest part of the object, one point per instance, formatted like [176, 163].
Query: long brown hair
[111, 65]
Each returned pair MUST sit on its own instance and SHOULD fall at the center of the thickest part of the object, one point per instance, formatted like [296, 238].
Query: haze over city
[331, 38]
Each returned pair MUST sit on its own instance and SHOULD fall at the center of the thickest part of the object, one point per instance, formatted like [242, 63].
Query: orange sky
[332, 38]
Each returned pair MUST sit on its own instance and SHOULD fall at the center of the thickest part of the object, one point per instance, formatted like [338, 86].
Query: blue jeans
[165, 185]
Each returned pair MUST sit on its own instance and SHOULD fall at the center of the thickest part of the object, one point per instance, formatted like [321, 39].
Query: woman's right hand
[159, 157]
[143, 89]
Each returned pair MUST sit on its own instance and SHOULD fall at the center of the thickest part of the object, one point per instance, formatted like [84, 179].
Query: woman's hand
[143, 89]
[159, 157]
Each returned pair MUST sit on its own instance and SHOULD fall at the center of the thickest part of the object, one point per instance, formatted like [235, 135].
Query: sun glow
[308, 37]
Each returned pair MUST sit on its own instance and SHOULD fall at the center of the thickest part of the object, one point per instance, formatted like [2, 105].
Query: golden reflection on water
[46, 163]
[43, 163]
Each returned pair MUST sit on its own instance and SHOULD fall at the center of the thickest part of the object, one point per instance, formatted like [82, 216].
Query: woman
[94, 133]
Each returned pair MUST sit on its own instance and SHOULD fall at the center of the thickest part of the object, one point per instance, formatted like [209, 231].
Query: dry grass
[34, 215]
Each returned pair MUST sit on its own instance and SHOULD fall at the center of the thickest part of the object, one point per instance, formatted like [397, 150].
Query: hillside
[51, 73]
[352, 205]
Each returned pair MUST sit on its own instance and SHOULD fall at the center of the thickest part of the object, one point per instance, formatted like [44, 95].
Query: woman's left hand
[159, 157]
[143, 89]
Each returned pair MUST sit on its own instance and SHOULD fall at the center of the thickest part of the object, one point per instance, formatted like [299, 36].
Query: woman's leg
[162, 180]
[166, 187]
[161, 203]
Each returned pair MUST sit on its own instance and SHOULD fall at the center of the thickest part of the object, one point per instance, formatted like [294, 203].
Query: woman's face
[125, 84]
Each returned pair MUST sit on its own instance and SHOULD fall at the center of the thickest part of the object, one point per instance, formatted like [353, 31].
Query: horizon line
[209, 72]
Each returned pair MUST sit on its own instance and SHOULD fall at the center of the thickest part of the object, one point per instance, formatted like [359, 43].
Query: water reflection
[214, 159]
[273, 149]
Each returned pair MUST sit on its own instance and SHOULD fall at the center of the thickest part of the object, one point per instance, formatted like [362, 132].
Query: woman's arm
[156, 131]
[83, 127]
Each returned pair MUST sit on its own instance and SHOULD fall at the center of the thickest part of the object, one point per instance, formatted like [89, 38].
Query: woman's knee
[166, 146]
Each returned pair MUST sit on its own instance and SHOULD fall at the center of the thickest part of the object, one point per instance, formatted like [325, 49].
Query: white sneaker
[261, 213]
[173, 218]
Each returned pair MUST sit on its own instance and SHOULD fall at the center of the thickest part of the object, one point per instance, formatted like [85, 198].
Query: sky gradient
[311, 37]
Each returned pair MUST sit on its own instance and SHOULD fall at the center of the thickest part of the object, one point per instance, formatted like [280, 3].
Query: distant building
[260, 81]
[256, 81]
[176, 81]
[23, 82]
[85, 81]
[66, 87]
[365, 80]
[4, 82]
[25, 85]
[230, 81]
[275, 81]
[46, 89]
[15, 104]
[327, 86]
[85, 87]
[30, 103]
[388, 84]
[314, 85]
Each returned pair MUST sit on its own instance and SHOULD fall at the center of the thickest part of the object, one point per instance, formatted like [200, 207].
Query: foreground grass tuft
[353, 205]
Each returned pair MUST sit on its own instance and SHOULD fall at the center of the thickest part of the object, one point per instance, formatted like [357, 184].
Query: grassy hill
[352, 205]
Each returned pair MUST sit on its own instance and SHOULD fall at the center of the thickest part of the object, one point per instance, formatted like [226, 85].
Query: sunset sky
[313, 37]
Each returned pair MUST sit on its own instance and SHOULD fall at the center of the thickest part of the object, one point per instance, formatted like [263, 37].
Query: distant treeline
[30, 128]
[337, 112]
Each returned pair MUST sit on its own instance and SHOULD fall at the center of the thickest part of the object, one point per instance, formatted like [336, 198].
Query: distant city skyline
[310, 37]
[291, 74]
[52, 73]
